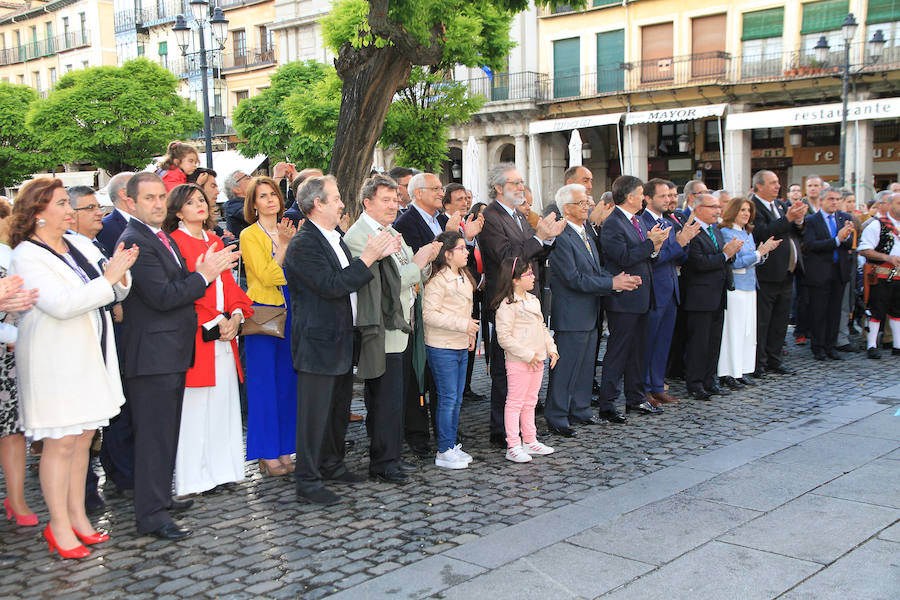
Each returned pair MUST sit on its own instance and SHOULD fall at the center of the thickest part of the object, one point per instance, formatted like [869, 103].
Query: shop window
[711, 136]
[822, 135]
[708, 45]
[567, 68]
[667, 144]
[761, 43]
[886, 131]
[772, 137]
[656, 53]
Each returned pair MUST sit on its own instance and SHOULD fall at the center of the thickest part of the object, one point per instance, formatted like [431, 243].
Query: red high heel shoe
[21, 520]
[95, 538]
[78, 551]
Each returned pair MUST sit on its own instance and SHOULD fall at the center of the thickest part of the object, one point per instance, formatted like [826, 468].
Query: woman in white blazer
[66, 361]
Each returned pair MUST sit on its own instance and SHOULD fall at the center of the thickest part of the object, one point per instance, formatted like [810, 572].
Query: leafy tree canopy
[264, 122]
[115, 117]
[20, 153]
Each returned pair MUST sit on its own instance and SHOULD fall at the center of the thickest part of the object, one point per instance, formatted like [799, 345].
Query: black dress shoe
[613, 416]
[780, 370]
[180, 505]
[171, 531]
[347, 477]
[895, 351]
[422, 449]
[645, 408]
[699, 394]
[563, 431]
[470, 396]
[847, 348]
[592, 420]
[730, 382]
[395, 477]
[498, 441]
[759, 374]
[833, 355]
[321, 495]
[404, 466]
[747, 380]
[873, 353]
[715, 390]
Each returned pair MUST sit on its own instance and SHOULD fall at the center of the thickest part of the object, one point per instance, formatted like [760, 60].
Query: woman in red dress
[210, 443]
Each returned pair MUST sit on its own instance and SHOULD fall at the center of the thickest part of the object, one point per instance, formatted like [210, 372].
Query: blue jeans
[449, 370]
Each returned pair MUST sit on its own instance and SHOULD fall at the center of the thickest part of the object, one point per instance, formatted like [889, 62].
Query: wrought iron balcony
[189, 66]
[248, 58]
[45, 47]
[155, 13]
[525, 85]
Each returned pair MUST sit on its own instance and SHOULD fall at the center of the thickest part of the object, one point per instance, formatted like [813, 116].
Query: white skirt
[738, 353]
[210, 442]
[55, 433]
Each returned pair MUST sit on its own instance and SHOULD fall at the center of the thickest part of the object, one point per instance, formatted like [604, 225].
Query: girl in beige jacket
[524, 337]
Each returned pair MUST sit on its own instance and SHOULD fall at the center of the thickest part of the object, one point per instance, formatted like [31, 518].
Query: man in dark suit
[402, 175]
[627, 246]
[827, 265]
[776, 275]
[666, 293]
[234, 208]
[323, 279]
[114, 223]
[706, 277]
[506, 233]
[158, 338]
[577, 281]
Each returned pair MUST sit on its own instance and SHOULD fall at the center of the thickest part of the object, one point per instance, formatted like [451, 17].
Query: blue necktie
[832, 227]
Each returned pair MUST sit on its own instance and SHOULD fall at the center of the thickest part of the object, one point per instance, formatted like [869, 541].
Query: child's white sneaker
[463, 455]
[449, 459]
[517, 455]
[538, 448]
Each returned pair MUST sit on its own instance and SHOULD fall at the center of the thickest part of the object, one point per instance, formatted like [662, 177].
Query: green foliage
[313, 110]
[20, 153]
[118, 118]
[264, 122]
[418, 120]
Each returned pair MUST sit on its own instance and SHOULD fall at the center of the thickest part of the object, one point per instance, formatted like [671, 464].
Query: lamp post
[218, 24]
[876, 44]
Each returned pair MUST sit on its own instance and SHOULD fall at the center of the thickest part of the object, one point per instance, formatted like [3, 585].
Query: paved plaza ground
[790, 489]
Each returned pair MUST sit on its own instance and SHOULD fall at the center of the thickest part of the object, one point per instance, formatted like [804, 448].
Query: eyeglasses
[460, 248]
[434, 188]
[585, 203]
[516, 183]
[89, 207]
[528, 273]
[241, 178]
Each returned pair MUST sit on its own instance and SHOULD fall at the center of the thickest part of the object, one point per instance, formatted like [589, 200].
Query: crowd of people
[144, 307]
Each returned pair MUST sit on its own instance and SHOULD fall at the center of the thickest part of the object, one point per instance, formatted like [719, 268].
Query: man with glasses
[693, 189]
[234, 207]
[507, 234]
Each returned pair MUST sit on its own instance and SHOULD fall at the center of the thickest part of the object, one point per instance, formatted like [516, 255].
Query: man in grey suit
[577, 281]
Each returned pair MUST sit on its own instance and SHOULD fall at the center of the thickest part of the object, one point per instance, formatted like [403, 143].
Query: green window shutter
[827, 15]
[610, 56]
[606, 2]
[567, 68]
[883, 11]
[140, 50]
[763, 24]
[163, 48]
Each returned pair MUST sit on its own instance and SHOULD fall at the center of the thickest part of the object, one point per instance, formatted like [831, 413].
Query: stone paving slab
[421, 580]
[839, 452]
[735, 455]
[716, 571]
[558, 571]
[880, 425]
[814, 528]
[871, 571]
[804, 429]
[891, 534]
[875, 483]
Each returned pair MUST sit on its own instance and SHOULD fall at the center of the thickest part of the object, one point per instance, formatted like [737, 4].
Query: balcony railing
[526, 85]
[249, 58]
[218, 126]
[715, 68]
[154, 12]
[45, 47]
[190, 65]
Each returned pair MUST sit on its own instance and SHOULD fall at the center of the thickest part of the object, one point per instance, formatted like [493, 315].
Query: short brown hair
[733, 208]
[250, 198]
[32, 199]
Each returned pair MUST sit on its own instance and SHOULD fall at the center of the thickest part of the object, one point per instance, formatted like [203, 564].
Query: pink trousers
[523, 386]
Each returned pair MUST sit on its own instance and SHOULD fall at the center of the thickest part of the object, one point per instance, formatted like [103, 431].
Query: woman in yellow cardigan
[271, 380]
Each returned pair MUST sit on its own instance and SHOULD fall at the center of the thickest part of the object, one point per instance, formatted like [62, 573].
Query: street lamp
[218, 25]
[876, 45]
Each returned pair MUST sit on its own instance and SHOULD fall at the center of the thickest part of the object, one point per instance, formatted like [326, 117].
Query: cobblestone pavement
[256, 541]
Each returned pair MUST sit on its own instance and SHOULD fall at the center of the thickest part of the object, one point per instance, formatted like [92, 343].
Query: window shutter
[883, 11]
[610, 56]
[763, 24]
[824, 16]
[566, 67]
[606, 2]
[163, 48]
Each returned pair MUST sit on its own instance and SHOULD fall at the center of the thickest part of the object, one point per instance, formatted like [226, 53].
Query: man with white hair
[114, 223]
[577, 281]
[234, 207]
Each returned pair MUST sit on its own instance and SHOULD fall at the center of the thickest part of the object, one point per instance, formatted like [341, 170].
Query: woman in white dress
[210, 442]
[66, 361]
[737, 356]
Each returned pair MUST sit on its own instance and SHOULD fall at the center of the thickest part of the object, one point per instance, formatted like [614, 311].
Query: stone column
[634, 151]
[522, 155]
[736, 168]
[534, 174]
[483, 166]
[859, 170]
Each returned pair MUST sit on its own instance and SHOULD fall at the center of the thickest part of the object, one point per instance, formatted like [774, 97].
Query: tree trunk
[371, 77]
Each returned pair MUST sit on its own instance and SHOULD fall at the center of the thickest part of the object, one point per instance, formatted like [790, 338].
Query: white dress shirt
[334, 240]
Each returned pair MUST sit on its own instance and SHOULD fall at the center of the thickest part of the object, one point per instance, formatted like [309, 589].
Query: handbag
[266, 320]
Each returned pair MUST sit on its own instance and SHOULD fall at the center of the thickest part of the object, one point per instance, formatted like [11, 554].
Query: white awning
[665, 115]
[574, 123]
[70, 178]
[884, 108]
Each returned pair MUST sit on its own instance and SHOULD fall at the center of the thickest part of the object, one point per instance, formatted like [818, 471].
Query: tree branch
[384, 27]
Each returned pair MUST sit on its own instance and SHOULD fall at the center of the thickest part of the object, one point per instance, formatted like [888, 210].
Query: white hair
[565, 195]
[417, 181]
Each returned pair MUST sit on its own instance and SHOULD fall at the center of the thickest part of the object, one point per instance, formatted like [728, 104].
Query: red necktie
[634, 221]
[165, 240]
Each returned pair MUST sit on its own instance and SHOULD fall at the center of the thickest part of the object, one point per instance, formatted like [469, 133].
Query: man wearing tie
[627, 246]
[577, 281]
[776, 275]
[666, 293]
[827, 262]
[158, 339]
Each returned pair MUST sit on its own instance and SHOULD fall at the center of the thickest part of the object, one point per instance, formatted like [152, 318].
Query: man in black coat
[706, 277]
[323, 279]
[158, 337]
[827, 265]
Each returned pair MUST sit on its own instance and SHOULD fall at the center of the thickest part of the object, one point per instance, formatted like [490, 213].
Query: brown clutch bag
[266, 320]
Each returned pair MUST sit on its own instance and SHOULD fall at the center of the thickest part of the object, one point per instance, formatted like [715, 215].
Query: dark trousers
[498, 385]
[476, 314]
[569, 392]
[323, 411]
[773, 308]
[802, 314]
[825, 312]
[117, 450]
[675, 363]
[625, 355]
[702, 345]
[660, 325]
[384, 404]
[418, 409]
[156, 408]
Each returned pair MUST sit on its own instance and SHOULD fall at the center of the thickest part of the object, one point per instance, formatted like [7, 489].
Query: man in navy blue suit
[577, 281]
[827, 261]
[666, 293]
[114, 223]
[627, 245]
